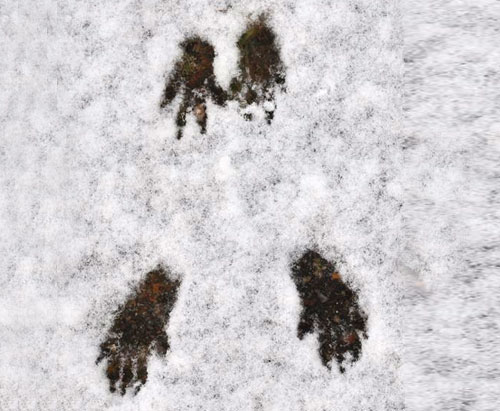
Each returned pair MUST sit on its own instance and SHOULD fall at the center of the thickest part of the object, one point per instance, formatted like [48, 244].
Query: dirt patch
[330, 308]
[261, 72]
[138, 328]
[193, 76]
[260, 67]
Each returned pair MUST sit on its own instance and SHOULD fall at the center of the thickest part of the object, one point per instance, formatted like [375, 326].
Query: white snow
[450, 182]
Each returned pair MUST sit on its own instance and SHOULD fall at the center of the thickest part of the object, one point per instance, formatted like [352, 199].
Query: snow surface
[451, 217]
[391, 176]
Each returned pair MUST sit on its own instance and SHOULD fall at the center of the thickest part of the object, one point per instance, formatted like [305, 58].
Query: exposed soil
[330, 308]
[138, 328]
[193, 76]
[260, 66]
[260, 72]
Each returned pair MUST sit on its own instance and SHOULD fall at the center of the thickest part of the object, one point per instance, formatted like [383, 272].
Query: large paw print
[329, 307]
[139, 328]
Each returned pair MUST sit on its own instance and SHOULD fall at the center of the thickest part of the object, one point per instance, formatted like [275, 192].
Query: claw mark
[193, 76]
[138, 328]
[329, 307]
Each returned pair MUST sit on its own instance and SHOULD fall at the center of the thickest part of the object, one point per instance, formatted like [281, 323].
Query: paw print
[138, 329]
[329, 307]
[194, 78]
[261, 70]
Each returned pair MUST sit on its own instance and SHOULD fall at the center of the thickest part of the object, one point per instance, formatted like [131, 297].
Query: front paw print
[139, 328]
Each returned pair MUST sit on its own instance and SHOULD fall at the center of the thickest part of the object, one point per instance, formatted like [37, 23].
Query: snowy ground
[451, 109]
[387, 167]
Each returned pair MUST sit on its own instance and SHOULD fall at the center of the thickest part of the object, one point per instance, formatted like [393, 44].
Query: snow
[451, 219]
[388, 169]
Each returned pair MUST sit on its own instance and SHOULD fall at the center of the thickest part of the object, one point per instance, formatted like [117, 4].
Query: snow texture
[383, 155]
[451, 214]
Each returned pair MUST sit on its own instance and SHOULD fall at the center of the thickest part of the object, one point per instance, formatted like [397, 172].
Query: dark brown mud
[138, 328]
[261, 70]
[193, 76]
[330, 308]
